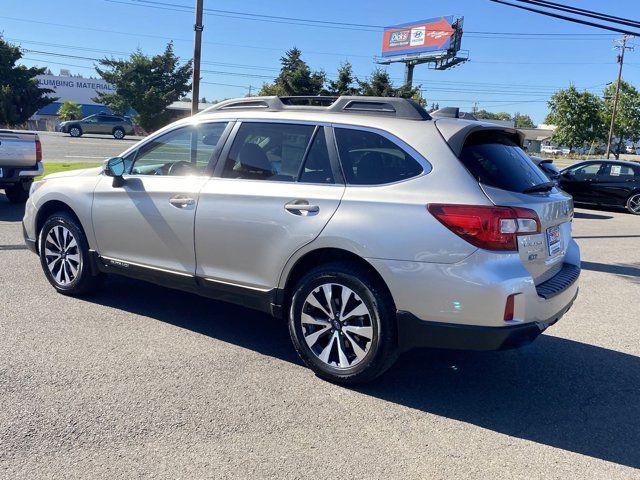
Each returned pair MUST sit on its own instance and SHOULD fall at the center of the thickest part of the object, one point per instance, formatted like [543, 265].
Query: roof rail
[379, 106]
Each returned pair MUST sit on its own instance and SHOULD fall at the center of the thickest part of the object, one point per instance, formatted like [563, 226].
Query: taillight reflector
[509, 307]
[38, 150]
[487, 227]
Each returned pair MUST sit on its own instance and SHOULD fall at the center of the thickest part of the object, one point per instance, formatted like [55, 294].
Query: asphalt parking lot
[139, 381]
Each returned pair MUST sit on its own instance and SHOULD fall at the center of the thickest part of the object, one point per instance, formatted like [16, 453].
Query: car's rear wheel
[75, 131]
[18, 193]
[633, 204]
[118, 133]
[64, 256]
[342, 324]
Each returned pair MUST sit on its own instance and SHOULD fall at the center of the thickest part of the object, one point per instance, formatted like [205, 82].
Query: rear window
[494, 159]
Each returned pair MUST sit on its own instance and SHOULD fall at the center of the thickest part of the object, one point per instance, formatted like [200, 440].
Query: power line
[569, 19]
[583, 12]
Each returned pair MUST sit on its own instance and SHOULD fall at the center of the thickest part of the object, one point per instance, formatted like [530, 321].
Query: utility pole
[250, 87]
[623, 47]
[197, 50]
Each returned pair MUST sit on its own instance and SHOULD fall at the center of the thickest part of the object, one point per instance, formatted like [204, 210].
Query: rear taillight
[38, 150]
[490, 228]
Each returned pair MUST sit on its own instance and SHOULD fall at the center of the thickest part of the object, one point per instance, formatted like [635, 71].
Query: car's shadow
[10, 212]
[566, 394]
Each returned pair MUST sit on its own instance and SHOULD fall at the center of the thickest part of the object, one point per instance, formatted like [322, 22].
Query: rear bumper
[13, 175]
[416, 333]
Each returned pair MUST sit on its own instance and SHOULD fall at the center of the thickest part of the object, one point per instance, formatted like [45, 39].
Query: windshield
[495, 160]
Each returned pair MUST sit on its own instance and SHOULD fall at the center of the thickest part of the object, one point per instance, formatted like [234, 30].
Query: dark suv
[101, 123]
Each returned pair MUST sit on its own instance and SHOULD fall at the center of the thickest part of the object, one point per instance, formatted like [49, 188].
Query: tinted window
[370, 159]
[586, 171]
[615, 172]
[184, 151]
[317, 166]
[495, 160]
[268, 151]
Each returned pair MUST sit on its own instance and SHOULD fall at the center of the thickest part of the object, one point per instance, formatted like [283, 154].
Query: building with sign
[73, 88]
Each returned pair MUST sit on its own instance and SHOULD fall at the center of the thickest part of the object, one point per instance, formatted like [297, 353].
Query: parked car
[20, 162]
[551, 150]
[547, 167]
[369, 226]
[100, 123]
[604, 182]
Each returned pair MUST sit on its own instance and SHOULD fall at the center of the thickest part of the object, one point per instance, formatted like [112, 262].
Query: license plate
[554, 240]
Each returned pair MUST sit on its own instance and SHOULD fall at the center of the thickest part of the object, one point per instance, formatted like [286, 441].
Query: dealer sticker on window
[554, 240]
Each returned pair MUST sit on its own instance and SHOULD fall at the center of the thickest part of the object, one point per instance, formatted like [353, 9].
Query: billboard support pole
[408, 74]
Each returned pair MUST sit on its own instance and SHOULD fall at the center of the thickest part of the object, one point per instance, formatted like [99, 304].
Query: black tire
[83, 281]
[18, 193]
[633, 203]
[118, 133]
[382, 348]
[75, 131]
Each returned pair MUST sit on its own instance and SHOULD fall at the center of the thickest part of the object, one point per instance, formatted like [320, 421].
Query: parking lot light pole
[197, 50]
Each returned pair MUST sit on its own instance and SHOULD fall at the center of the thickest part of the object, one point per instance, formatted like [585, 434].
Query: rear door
[615, 183]
[275, 188]
[505, 172]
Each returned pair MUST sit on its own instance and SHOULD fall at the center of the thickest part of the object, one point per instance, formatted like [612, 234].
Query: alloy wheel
[119, 134]
[634, 204]
[337, 325]
[62, 255]
[74, 132]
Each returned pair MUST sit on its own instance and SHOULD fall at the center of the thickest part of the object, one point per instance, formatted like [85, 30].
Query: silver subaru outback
[369, 226]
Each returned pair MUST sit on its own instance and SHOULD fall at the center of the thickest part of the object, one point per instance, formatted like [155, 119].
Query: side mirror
[115, 167]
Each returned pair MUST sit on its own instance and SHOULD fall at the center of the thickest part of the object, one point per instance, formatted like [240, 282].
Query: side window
[587, 171]
[617, 173]
[268, 151]
[317, 165]
[181, 152]
[371, 159]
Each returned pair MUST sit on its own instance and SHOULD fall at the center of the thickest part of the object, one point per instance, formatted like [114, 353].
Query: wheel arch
[321, 256]
[48, 209]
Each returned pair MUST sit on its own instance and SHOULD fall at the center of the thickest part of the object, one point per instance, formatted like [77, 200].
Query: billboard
[425, 36]
[76, 89]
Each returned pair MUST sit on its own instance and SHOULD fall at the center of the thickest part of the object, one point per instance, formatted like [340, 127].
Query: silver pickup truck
[20, 162]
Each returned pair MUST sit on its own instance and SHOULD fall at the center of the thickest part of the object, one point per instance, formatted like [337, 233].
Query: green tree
[295, 78]
[627, 124]
[577, 117]
[346, 82]
[523, 121]
[20, 96]
[379, 84]
[69, 111]
[146, 84]
[483, 114]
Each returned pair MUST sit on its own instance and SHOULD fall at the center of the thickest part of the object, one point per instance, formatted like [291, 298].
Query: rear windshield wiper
[541, 187]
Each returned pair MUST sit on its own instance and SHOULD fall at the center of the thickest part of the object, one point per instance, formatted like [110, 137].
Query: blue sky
[508, 73]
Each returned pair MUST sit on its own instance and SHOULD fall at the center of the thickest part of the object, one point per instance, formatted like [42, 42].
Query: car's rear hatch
[509, 178]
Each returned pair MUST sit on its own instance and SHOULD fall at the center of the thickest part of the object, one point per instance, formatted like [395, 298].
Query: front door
[579, 182]
[274, 193]
[148, 221]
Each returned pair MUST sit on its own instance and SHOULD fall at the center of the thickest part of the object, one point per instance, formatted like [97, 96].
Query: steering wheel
[180, 168]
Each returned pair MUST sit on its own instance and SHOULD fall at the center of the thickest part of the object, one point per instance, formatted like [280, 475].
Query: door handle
[181, 201]
[301, 207]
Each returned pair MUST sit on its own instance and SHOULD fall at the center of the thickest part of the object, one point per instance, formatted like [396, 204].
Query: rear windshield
[496, 160]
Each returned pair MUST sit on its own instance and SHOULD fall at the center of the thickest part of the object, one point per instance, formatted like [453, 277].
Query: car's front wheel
[118, 133]
[64, 256]
[342, 323]
[633, 204]
[75, 131]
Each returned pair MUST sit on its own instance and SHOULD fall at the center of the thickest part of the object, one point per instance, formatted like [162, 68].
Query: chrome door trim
[119, 263]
